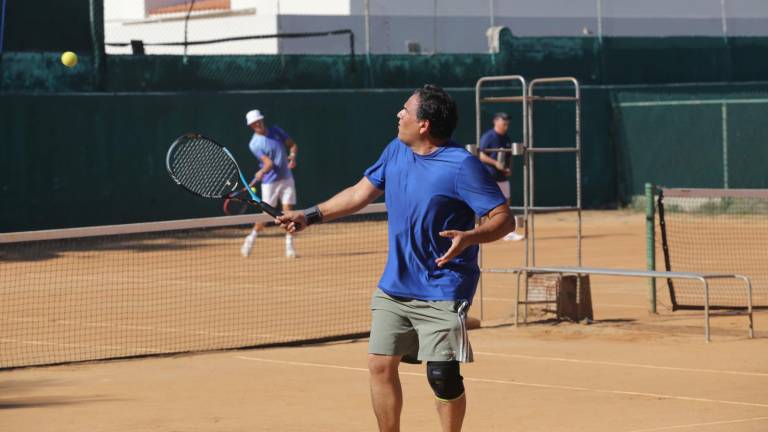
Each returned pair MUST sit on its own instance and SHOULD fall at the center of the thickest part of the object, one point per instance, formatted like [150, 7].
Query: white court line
[666, 428]
[522, 384]
[629, 365]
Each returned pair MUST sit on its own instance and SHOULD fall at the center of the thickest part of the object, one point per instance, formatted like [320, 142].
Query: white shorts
[282, 191]
[504, 186]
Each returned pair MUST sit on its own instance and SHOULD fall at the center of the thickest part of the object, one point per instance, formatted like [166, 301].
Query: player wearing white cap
[276, 152]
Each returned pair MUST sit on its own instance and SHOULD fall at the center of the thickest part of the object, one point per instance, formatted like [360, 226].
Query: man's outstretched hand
[292, 221]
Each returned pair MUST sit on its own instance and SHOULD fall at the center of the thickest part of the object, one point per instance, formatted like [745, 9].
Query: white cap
[253, 116]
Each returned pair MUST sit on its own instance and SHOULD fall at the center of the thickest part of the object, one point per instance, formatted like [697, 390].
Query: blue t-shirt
[263, 146]
[278, 134]
[424, 196]
[491, 140]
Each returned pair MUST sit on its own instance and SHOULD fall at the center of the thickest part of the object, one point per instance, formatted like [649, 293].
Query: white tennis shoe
[245, 250]
[290, 252]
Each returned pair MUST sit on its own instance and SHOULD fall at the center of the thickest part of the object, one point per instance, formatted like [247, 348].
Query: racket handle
[270, 210]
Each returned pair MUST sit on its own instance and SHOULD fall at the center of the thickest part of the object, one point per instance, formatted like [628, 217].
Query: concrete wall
[444, 26]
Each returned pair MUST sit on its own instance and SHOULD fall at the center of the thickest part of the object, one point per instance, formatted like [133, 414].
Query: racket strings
[204, 168]
[201, 167]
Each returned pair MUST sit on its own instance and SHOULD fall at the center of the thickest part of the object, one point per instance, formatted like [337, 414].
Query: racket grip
[270, 210]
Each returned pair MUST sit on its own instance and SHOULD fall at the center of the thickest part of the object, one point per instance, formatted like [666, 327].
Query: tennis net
[182, 286]
[715, 231]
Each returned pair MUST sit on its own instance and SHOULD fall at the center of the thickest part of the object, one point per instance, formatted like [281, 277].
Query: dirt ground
[629, 371]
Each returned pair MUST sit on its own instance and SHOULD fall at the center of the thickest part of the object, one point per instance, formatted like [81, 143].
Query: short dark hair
[501, 115]
[439, 108]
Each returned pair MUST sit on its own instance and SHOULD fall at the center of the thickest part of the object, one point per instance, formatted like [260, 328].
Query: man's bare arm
[293, 151]
[346, 202]
[350, 200]
[497, 223]
[484, 158]
[267, 165]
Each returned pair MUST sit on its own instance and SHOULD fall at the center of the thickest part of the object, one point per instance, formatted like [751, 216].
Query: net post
[650, 245]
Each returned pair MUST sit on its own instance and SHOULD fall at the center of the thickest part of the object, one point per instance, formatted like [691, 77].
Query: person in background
[497, 138]
[275, 163]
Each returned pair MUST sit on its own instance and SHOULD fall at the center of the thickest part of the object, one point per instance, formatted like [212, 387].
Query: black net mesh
[715, 231]
[179, 290]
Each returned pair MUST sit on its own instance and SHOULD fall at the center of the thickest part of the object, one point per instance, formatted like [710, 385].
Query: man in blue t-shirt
[277, 185]
[433, 189]
[496, 163]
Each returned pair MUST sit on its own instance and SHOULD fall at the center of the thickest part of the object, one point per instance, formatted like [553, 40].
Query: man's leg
[386, 392]
[446, 381]
[290, 252]
[245, 249]
[288, 199]
[268, 196]
[452, 413]
[444, 344]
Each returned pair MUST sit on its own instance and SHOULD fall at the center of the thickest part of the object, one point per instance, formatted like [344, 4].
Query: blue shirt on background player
[425, 195]
[261, 146]
[278, 134]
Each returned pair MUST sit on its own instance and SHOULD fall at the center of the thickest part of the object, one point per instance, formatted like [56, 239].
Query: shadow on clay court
[11, 396]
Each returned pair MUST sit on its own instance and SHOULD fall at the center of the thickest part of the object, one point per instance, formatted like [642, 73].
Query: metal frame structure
[475, 148]
[528, 96]
[531, 150]
[702, 277]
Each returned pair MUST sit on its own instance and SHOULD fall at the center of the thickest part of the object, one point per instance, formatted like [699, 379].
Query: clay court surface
[627, 372]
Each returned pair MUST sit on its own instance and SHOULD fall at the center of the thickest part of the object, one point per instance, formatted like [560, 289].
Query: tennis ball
[69, 59]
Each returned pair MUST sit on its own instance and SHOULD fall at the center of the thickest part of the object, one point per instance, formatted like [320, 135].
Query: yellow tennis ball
[69, 59]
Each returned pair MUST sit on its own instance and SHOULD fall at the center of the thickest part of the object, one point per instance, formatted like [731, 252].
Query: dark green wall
[84, 159]
[681, 145]
[47, 25]
[77, 159]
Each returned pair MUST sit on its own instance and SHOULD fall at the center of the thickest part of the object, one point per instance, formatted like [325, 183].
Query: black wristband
[313, 215]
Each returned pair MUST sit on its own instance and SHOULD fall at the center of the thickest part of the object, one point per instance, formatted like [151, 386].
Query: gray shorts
[419, 330]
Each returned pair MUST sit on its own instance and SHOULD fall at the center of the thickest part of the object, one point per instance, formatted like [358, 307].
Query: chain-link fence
[691, 137]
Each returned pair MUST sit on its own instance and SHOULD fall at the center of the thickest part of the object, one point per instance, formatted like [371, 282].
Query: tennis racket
[234, 204]
[205, 168]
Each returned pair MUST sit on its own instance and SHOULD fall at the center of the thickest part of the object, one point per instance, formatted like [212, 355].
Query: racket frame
[253, 200]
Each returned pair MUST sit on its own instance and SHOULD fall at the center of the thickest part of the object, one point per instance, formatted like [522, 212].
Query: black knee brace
[445, 379]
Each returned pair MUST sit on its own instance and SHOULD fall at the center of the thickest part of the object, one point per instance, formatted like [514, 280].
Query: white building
[448, 26]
